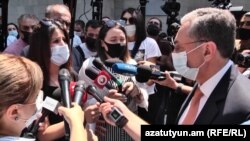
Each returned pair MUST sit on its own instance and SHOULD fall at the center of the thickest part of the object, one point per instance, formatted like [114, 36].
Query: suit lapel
[215, 101]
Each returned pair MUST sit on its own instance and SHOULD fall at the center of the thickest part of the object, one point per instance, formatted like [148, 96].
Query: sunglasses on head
[113, 23]
[131, 20]
[50, 22]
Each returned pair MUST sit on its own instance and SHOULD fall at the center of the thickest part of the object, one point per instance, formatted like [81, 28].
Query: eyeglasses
[113, 23]
[130, 20]
[246, 23]
[177, 50]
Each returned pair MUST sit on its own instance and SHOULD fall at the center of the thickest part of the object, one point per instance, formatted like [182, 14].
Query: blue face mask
[13, 33]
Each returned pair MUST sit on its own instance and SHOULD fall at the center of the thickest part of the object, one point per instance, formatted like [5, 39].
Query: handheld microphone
[110, 62]
[64, 80]
[98, 63]
[49, 105]
[79, 92]
[144, 73]
[97, 77]
[115, 115]
[92, 91]
[123, 68]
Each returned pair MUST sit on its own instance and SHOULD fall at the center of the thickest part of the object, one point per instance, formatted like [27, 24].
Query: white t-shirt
[10, 39]
[148, 49]
[87, 52]
[76, 41]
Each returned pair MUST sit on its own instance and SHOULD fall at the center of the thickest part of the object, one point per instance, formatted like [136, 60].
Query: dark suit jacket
[229, 102]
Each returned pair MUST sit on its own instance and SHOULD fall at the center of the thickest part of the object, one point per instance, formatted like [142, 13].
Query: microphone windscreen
[110, 62]
[123, 68]
[64, 75]
[143, 73]
[98, 63]
[91, 72]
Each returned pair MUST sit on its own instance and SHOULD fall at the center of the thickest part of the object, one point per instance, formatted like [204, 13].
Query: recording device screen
[115, 114]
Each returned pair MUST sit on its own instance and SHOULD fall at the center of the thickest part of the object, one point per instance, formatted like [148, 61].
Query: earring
[16, 118]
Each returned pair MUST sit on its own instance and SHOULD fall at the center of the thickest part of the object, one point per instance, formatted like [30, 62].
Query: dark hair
[140, 33]
[156, 19]
[15, 27]
[93, 23]
[81, 23]
[101, 51]
[40, 50]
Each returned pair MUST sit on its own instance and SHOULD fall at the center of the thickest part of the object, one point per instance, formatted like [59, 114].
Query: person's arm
[75, 117]
[172, 83]
[132, 126]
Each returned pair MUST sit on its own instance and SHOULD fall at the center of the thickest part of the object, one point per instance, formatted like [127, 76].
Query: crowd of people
[211, 87]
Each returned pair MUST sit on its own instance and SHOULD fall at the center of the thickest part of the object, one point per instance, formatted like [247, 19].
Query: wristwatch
[118, 117]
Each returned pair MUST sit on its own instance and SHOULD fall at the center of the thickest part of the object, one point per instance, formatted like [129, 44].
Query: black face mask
[26, 36]
[243, 34]
[153, 30]
[115, 50]
[90, 42]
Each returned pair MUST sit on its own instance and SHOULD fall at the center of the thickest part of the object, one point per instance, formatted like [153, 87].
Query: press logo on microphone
[102, 79]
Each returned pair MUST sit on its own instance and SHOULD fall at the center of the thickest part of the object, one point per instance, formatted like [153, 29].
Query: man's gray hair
[51, 9]
[213, 24]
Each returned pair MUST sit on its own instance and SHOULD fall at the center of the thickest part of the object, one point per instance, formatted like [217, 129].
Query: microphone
[49, 105]
[123, 68]
[98, 64]
[110, 62]
[64, 80]
[115, 115]
[92, 91]
[97, 77]
[144, 73]
[79, 95]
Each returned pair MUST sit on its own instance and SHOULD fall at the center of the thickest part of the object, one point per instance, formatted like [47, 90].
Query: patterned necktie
[193, 109]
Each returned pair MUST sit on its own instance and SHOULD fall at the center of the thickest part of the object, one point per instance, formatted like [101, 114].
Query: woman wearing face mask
[12, 33]
[18, 102]
[23, 98]
[142, 48]
[49, 48]
[112, 43]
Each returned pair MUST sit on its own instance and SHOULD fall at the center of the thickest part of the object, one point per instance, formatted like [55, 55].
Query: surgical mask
[115, 50]
[37, 114]
[130, 30]
[180, 64]
[13, 33]
[243, 34]
[59, 54]
[78, 33]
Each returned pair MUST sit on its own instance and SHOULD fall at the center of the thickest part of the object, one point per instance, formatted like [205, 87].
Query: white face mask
[13, 33]
[78, 33]
[37, 114]
[180, 64]
[130, 30]
[59, 54]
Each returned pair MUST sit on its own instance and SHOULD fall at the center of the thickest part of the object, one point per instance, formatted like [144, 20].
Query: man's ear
[210, 50]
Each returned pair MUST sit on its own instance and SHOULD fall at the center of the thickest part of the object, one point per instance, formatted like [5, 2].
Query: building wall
[111, 8]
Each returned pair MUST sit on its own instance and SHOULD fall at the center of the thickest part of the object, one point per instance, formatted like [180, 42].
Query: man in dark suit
[203, 47]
